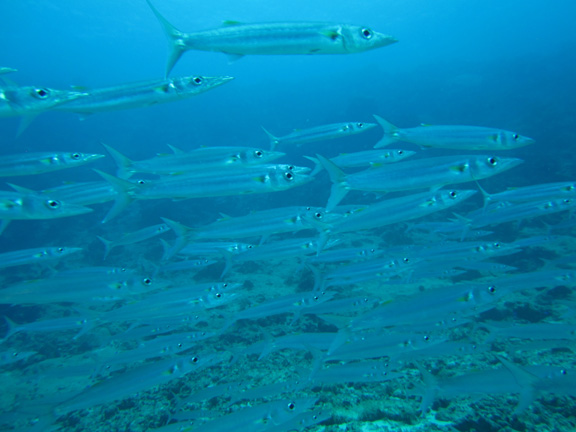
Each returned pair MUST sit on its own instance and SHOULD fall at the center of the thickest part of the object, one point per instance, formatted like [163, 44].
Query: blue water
[507, 65]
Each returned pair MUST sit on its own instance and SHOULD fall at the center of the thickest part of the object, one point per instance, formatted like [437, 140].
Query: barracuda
[142, 94]
[30, 206]
[29, 101]
[259, 179]
[6, 70]
[38, 163]
[134, 237]
[256, 224]
[200, 160]
[453, 137]
[431, 173]
[238, 39]
[36, 255]
[370, 158]
[319, 133]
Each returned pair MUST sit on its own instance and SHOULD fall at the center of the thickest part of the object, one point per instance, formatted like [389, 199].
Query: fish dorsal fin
[176, 150]
[21, 189]
[424, 125]
[230, 23]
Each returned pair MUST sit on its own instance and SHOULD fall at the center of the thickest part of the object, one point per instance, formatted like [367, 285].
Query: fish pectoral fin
[24, 123]
[162, 88]
[332, 34]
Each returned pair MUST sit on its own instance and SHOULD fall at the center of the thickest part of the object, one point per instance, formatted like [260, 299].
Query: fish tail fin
[166, 250]
[12, 329]
[525, 380]
[389, 130]
[274, 141]
[175, 38]
[338, 177]
[108, 246]
[431, 384]
[317, 165]
[486, 195]
[123, 188]
[183, 236]
[124, 164]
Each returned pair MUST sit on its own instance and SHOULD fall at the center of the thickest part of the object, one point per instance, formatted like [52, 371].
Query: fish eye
[42, 93]
[218, 295]
[360, 125]
[367, 33]
[194, 359]
[426, 338]
[453, 194]
[197, 80]
[289, 176]
[258, 153]
[516, 136]
[60, 250]
[406, 260]
[318, 215]
[491, 289]
[291, 406]
[290, 168]
[493, 161]
[53, 204]
[75, 156]
[400, 152]
[141, 182]
[147, 281]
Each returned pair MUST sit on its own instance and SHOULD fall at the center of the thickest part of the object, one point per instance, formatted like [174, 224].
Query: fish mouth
[93, 157]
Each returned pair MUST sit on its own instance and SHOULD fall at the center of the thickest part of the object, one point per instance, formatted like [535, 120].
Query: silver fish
[27, 206]
[36, 255]
[453, 137]
[238, 39]
[370, 158]
[6, 70]
[141, 94]
[417, 174]
[38, 163]
[29, 101]
[198, 160]
[319, 133]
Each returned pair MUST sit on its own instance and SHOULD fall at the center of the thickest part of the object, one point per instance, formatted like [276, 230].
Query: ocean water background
[508, 65]
[475, 62]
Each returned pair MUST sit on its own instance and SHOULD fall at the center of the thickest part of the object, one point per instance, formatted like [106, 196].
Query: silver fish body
[35, 255]
[453, 137]
[30, 101]
[431, 173]
[38, 163]
[142, 94]
[319, 133]
[200, 160]
[28, 206]
[273, 38]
